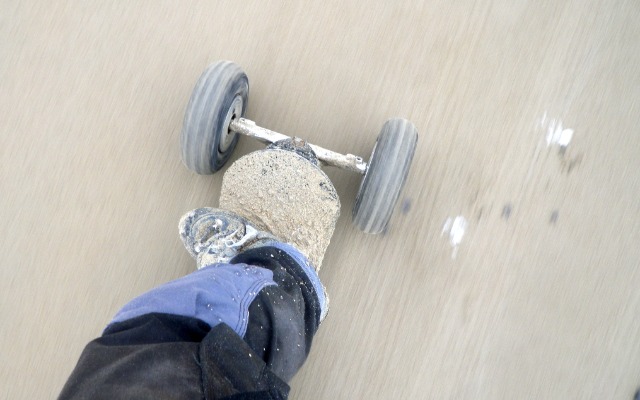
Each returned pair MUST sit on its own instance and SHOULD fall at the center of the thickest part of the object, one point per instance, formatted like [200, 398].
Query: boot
[216, 236]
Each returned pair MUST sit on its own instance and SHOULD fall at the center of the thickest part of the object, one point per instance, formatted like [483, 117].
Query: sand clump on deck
[285, 194]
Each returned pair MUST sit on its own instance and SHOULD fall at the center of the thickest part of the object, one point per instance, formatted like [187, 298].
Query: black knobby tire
[385, 176]
[220, 95]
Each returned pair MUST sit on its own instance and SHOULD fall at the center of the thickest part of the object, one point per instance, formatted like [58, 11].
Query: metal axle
[326, 157]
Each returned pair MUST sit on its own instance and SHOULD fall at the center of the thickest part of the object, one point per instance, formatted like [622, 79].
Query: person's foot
[215, 236]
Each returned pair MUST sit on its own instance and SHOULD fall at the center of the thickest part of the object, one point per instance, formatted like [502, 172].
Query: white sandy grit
[285, 194]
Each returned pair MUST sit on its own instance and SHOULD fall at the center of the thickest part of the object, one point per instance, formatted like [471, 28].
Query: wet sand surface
[511, 267]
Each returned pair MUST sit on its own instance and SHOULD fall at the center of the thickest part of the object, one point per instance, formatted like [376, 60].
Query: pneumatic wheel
[220, 95]
[385, 176]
